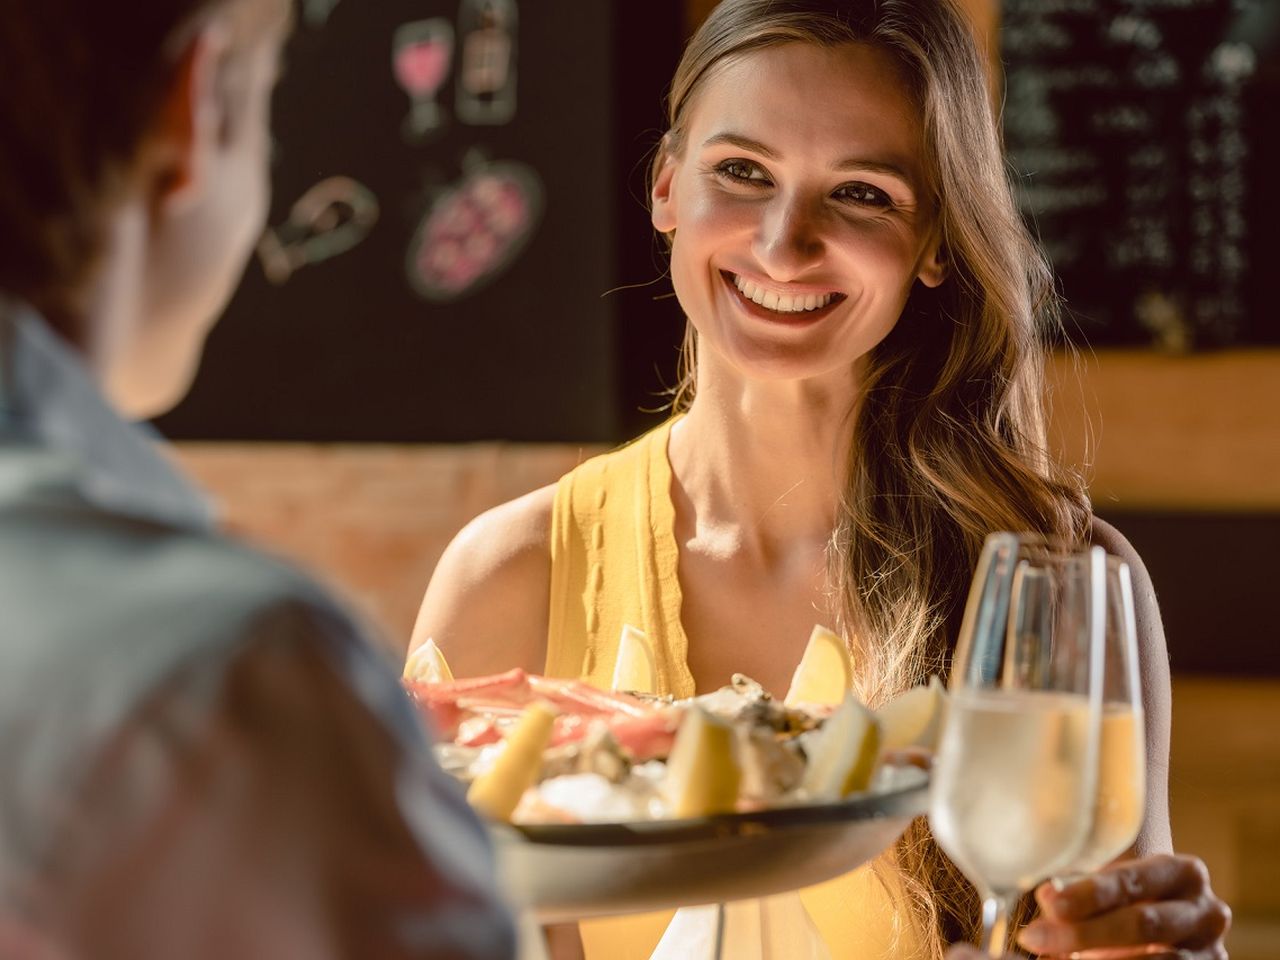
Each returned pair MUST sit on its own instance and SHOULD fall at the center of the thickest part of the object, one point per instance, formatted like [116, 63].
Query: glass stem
[995, 923]
[718, 947]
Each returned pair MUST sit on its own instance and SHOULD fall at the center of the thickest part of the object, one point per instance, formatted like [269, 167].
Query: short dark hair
[82, 82]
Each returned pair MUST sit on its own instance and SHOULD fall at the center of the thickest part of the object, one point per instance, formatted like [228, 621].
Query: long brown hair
[948, 441]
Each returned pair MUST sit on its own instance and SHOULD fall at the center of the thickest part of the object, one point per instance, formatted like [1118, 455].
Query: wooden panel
[1199, 432]
[371, 520]
[695, 12]
[1224, 797]
[1195, 433]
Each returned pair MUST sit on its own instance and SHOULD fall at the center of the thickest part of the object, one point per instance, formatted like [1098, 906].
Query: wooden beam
[1198, 432]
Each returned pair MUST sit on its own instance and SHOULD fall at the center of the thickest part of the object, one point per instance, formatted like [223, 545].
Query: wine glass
[1015, 778]
[1120, 801]
[421, 55]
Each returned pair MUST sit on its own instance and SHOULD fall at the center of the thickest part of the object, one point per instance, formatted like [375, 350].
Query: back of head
[83, 79]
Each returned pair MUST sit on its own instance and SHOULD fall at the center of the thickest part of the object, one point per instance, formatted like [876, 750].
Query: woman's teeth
[782, 303]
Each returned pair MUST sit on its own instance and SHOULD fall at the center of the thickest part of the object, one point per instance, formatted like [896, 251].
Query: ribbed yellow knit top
[614, 561]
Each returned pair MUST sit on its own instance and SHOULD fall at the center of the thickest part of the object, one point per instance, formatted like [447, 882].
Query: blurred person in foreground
[200, 754]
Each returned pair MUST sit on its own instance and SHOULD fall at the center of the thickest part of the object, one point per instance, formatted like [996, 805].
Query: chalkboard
[458, 186]
[1145, 135]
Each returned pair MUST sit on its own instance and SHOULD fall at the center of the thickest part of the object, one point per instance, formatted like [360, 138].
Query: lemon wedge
[427, 665]
[635, 669]
[498, 790]
[844, 753]
[824, 675]
[914, 717]
[703, 773]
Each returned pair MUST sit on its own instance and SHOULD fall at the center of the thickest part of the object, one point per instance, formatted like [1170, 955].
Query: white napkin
[775, 928]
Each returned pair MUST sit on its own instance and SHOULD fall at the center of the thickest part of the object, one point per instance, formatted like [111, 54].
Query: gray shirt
[200, 754]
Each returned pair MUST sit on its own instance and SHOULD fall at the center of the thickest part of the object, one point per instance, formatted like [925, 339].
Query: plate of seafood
[605, 802]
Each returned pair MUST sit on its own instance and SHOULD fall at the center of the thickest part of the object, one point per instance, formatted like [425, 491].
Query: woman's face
[800, 208]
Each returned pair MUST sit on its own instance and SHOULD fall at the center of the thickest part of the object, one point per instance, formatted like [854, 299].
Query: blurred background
[459, 297]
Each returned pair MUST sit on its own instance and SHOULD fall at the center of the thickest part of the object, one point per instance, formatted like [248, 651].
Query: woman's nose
[789, 240]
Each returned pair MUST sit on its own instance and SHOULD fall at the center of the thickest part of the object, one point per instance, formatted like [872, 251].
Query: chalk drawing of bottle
[421, 53]
[486, 87]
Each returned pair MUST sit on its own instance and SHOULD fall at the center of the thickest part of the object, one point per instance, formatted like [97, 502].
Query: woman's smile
[790, 304]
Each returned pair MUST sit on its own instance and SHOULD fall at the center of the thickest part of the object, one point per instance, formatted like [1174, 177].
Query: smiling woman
[867, 320]
[796, 179]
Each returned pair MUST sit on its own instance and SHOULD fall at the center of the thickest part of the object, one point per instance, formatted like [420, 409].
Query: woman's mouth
[779, 306]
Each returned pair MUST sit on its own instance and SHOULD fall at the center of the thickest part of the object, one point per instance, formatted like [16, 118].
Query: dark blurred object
[1214, 576]
[1145, 141]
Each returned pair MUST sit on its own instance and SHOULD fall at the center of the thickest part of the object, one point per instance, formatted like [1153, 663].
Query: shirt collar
[49, 399]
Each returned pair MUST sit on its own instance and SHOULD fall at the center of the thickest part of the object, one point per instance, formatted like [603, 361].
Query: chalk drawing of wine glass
[421, 53]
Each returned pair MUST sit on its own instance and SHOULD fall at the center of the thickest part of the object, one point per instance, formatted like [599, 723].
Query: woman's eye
[864, 195]
[741, 171]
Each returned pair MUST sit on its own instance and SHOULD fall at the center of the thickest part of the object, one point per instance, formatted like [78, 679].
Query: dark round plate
[568, 872]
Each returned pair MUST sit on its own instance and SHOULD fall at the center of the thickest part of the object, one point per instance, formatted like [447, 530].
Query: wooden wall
[1173, 433]
[1178, 433]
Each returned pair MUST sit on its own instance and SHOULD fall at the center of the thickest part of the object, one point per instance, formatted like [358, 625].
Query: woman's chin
[786, 366]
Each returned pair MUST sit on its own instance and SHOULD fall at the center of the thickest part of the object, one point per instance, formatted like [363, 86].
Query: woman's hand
[1159, 906]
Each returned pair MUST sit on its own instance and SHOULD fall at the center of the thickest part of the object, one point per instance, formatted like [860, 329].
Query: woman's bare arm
[487, 605]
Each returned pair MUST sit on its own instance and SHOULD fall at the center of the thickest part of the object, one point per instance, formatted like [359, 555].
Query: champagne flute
[1016, 774]
[1120, 802]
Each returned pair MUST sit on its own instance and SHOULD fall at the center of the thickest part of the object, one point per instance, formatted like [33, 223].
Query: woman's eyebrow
[738, 140]
[855, 165]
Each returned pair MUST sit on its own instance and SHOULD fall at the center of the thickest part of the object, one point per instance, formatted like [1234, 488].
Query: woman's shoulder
[510, 530]
[486, 604]
[1103, 534]
[1147, 609]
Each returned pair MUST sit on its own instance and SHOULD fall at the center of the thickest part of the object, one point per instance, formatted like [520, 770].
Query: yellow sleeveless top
[614, 560]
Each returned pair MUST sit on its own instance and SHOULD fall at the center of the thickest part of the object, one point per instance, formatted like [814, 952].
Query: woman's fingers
[1163, 903]
[1216, 952]
[964, 951]
[1160, 877]
[1178, 923]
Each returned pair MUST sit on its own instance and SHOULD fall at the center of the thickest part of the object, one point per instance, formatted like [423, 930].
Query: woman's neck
[765, 459]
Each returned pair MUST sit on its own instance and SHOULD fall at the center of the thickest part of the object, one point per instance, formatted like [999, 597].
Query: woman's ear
[662, 199]
[935, 266]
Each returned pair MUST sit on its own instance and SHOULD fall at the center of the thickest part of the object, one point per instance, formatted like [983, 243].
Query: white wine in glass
[1016, 774]
[1020, 764]
[1120, 802]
